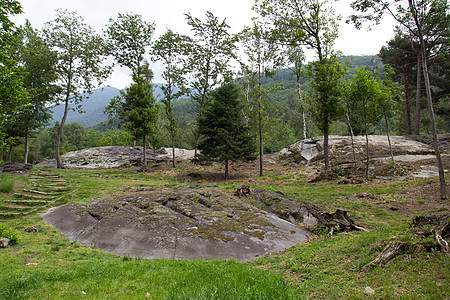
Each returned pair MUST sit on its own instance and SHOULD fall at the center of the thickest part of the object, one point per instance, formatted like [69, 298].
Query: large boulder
[186, 223]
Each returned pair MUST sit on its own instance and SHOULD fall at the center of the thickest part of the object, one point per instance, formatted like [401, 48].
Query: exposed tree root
[441, 231]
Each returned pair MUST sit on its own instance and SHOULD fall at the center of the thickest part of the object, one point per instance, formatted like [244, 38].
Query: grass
[47, 265]
[6, 185]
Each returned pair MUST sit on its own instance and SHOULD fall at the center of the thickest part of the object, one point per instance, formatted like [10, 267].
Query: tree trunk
[352, 139]
[407, 105]
[25, 159]
[325, 148]
[260, 124]
[226, 169]
[144, 149]
[388, 137]
[60, 132]
[430, 102]
[173, 148]
[10, 153]
[367, 152]
[303, 111]
[418, 95]
[433, 128]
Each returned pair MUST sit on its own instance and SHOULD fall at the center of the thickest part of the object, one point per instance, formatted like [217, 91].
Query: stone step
[13, 207]
[5, 215]
[31, 197]
[27, 202]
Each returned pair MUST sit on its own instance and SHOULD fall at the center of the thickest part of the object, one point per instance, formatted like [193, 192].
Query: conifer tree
[226, 137]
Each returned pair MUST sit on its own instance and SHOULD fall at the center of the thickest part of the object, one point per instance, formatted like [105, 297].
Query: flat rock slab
[186, 223]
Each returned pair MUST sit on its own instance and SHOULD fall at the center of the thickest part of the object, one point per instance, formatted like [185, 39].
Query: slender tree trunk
[303, 111]
[10, 153]
[173, 148]
[60, 132]
[25, 159]
[429, 102]
[433, 127]
[144, 149]
[367, 151]
[407, 105]
[260, 123]
[352, 139]
[389, 138]
[304, 125]
[418, 95]
[325, 148]
[226, 169]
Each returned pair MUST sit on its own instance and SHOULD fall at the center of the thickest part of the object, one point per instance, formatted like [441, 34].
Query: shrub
[8, 232]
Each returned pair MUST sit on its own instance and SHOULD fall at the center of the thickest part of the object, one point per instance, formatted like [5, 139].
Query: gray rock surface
[311, 150]
[186, 223]
[110, 157]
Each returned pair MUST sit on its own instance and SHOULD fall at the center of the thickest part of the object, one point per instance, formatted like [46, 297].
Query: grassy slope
[45, 264]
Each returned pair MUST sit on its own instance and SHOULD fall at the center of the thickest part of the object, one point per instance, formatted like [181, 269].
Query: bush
[9, 233]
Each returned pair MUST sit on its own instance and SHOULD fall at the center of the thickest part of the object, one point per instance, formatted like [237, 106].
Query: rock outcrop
[186, 223]
[311, 150]
[110, 157]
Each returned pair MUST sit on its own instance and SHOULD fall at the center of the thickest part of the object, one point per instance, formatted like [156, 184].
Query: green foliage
[13, 96]
[8, 232]
[129, 36]
[140, 111]
[327, 90]
[366, 97]
[171, 49]
[277, 136]
[208, 60]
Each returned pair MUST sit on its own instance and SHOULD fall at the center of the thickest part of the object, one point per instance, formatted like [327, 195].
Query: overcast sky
[170, 14]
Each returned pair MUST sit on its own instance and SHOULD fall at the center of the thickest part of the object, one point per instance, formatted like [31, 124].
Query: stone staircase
[44, 190]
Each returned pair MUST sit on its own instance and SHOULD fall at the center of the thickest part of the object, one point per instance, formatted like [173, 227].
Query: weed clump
[6, 186]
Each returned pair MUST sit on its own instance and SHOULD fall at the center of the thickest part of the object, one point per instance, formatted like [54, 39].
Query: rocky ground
[203, 222]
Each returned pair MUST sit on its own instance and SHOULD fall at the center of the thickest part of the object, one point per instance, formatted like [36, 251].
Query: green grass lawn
[46, 265]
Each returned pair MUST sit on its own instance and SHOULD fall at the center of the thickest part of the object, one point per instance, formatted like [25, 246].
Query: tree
[39, 65]
[311, 23]
[365, 96]
[296, 57]
[327, 88]
[171, 49]
[80, 53]
[399, 55]
[210, 52]
[264, 56]
[13, 96]
[129, 37]
[424, 19]
[226, 137]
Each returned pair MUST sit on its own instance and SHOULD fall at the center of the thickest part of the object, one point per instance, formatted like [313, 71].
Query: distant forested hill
[94, 106]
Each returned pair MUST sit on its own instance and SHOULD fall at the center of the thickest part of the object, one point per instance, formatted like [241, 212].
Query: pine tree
[226, 137]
